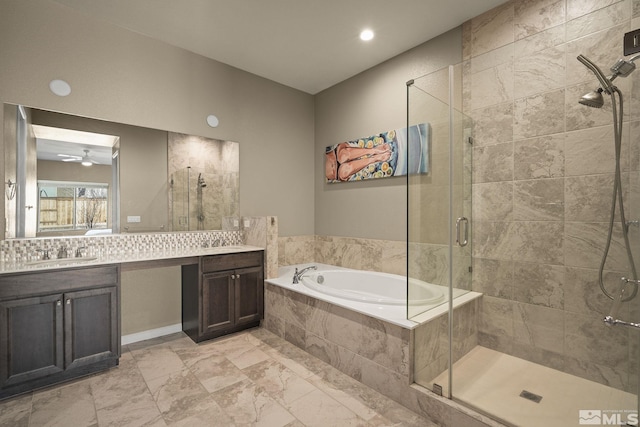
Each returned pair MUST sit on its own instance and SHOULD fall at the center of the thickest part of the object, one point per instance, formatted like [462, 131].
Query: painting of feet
[393, 153]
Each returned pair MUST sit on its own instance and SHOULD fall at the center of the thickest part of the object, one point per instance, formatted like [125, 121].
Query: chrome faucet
[45, 253]
[79, 251]
[298, 274]
[62, 253]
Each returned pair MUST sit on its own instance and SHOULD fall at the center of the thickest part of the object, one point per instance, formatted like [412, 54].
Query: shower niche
[203, 183]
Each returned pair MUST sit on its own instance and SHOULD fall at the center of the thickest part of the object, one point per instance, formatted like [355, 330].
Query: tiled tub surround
[542, 180]
[431, 340]
[375, 352]
[429, 261]
[117, 248]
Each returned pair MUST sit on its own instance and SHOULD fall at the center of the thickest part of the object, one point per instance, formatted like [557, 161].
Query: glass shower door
[439, 207]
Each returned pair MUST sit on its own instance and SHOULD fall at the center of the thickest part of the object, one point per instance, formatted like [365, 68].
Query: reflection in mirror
[74, 181]
[204, 182]
[137, 183]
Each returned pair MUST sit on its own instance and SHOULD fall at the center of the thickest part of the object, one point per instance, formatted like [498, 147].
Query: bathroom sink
[61, 261]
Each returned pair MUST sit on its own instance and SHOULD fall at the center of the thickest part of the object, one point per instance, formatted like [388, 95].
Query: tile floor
[250, 378]
[491, 382]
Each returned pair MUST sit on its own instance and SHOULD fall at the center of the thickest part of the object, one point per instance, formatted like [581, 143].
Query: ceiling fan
[86, 159]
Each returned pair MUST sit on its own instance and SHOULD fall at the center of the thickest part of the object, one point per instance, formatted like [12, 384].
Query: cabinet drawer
[231, 261]
[47, 282]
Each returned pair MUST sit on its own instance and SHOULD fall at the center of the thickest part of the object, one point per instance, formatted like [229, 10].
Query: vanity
[222, 294]
[65, 317]
[57, 326]
[61, 320]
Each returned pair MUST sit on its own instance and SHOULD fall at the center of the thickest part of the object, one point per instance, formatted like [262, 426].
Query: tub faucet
[298, 274]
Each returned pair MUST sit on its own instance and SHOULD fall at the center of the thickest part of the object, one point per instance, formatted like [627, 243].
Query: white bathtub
[379, 295]
[372, 287]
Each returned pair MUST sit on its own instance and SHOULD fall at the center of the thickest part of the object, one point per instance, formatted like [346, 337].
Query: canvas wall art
[393, 153]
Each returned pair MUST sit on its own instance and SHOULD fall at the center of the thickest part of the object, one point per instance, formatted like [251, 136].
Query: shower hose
[617, 197]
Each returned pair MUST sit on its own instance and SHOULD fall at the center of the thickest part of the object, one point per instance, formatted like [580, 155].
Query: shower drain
[530, 396]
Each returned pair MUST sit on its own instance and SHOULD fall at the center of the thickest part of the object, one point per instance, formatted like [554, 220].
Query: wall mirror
[96, 177]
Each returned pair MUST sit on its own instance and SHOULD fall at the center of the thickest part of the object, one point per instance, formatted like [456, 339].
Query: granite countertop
[120, 258]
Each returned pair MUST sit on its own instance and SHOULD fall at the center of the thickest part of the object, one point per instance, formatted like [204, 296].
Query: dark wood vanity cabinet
[57, 325]
[223, 294]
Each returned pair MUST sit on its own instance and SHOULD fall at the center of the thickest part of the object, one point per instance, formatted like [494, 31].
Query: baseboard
[151, 333]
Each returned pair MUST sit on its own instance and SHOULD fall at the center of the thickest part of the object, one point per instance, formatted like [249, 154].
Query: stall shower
[553, 340]
[187, 204]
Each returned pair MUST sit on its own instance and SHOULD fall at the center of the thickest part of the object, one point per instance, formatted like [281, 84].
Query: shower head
[605, 83]
[622, 68]
[201, 183]
[593, 99]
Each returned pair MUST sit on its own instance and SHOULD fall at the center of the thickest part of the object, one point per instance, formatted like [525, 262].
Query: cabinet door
[91, 326]
[249, 295]
[31, 339]
[218, 311]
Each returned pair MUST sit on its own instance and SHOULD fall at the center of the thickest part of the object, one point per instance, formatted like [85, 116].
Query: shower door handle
[465, 223]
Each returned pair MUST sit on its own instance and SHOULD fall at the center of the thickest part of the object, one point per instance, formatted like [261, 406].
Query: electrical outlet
[632, 42]
[133, 218]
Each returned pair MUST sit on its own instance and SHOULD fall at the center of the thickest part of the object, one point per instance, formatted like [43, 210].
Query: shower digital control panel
[632, 42]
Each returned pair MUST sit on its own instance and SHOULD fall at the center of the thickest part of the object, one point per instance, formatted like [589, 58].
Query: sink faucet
[79, 251]
[298, 274]
[62, 253]
[45, 253]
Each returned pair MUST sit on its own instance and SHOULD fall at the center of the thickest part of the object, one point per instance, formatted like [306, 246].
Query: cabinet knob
[68, 301]
[233, 277]
[237, 276]
[58, 303]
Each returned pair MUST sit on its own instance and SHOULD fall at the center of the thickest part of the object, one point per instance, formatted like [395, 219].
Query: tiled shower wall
[542, 182]
[218, 162]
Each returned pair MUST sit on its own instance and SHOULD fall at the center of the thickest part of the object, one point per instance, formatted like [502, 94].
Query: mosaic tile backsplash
[24, 250]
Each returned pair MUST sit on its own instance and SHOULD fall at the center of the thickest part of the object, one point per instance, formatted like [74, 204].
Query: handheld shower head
[201, 183]
[593, 99]
[605, 83]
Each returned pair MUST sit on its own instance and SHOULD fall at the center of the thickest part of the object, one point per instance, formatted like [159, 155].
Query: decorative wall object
[380, 156]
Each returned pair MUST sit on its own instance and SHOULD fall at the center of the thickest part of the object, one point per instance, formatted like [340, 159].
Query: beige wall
[121, 76]
[59, 171]
[150, 299]
[371, 102]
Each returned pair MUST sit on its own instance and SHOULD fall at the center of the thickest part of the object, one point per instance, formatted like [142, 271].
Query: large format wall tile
[492, 29]
[534, 16]
[539, 72]
[540, 114]
[542, 157]
[539, 200]
[541, 210]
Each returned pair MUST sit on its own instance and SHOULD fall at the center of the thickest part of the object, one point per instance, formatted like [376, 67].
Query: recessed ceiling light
[366, 35]
[212, 121]
[60, 87]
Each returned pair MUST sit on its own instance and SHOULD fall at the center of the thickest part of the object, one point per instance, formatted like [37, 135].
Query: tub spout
[298, 274]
